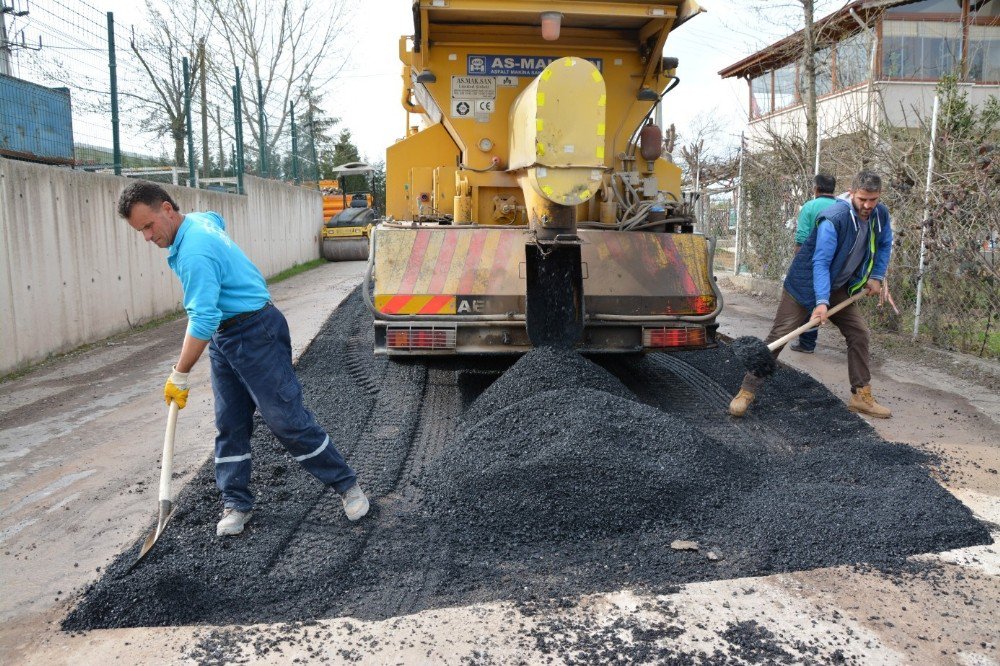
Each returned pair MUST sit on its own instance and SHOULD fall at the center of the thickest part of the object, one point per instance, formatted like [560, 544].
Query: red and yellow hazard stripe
[419, 262]
[409, 304]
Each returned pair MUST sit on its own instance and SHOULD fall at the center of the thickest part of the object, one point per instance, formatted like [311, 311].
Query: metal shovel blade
[166, 467]
[166, 513]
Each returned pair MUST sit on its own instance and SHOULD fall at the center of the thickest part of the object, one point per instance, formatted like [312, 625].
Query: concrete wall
[73, 272]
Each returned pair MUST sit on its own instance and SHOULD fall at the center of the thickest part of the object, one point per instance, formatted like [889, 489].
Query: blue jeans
[252, 370]
[808, 339]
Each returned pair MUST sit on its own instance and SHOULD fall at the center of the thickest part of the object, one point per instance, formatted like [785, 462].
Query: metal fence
[79, 88]
[944, 277]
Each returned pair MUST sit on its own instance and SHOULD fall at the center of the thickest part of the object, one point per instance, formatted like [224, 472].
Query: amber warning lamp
[551, 23]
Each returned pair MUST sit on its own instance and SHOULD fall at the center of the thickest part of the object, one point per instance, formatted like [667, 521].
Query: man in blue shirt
[230, 312]
[823, 188]
[848, 252]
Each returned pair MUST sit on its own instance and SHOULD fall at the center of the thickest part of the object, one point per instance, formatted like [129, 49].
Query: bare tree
[289, 45]
[173, 33]
[703, 160]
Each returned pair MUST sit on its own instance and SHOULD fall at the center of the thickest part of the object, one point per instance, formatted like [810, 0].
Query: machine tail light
[687, 336]
[420, 337]
[703, 304]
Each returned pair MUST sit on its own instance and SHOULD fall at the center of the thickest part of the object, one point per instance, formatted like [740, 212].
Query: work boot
[741, 403]
[863, 402]
[797, 347]
[232, 522]
[355, 503]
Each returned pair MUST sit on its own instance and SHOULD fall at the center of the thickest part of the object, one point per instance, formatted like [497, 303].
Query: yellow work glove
[176, 388]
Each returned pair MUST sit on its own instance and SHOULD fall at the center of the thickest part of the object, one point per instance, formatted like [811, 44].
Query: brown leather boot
[863, 402]
[741, 403]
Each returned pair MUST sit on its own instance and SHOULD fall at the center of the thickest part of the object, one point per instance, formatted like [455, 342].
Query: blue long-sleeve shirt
[218, 279]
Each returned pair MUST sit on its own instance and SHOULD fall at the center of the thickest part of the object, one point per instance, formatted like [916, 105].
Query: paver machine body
[531, 204]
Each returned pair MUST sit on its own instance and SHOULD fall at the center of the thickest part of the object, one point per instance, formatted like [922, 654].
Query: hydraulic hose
[632, 142]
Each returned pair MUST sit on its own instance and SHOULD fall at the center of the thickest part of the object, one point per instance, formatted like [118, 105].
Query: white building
[876, 59]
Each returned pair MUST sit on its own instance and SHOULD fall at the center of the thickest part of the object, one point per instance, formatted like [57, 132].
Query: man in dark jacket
[848, 252]
[823, 188]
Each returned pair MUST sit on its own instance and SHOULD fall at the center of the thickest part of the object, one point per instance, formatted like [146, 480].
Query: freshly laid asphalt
[535, 481]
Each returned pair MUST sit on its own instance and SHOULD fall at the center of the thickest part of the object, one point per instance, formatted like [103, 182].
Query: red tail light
[411, 337]
[690, 336]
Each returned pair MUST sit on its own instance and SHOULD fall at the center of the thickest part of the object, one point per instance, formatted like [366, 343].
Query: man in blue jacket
[848, 252]
[230, 312]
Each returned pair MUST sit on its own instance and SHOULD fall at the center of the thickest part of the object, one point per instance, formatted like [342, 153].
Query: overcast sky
[366, 95]
[704, 45]
[724, 34]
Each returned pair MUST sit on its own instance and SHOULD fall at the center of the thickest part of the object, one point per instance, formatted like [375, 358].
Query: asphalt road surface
[79, 450]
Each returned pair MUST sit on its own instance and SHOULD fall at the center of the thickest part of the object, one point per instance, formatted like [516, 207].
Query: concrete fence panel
[73, 272]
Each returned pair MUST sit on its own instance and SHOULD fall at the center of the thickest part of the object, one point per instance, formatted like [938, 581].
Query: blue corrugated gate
[36, 123]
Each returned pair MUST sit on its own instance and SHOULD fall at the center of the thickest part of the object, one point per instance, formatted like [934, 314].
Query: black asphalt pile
[577, 462]
[541, 370]
[563, 478]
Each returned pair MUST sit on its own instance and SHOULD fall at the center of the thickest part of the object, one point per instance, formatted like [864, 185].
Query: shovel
[756, 356]
[166, 506]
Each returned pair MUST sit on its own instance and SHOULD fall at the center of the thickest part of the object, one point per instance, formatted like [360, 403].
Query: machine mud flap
[554, 295]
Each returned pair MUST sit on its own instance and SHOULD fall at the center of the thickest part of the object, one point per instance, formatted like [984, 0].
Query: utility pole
[205, 152]
[926, 220]
[698, 211]
[739, 208]
[192, 175]
[4, 44]
[222, 152]
[116, 145]
[262, 161]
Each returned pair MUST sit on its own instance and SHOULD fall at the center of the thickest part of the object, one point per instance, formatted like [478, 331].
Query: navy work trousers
[252, 370]
[808, 339]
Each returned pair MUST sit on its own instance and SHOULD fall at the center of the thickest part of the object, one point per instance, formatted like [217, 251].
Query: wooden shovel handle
[813, 323]
[166, 464]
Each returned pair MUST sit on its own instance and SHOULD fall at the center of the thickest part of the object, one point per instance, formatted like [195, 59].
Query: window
[824, 74]
[824, 71]
[853, 56]
[984, 53]
[921, 49]
[760, 95]
[784, 87]
[930, 7]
